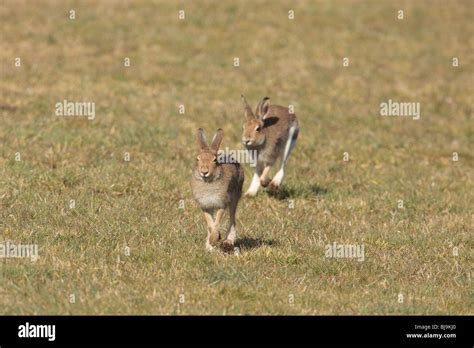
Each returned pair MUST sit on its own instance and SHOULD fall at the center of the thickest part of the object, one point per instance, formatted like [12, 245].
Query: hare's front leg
[259, 178]
[215, 236]
[228, 244]
[264, 179]
[210, 227]
[255, 184]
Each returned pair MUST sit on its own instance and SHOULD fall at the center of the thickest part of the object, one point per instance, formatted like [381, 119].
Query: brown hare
[216, 185]
[272, 131]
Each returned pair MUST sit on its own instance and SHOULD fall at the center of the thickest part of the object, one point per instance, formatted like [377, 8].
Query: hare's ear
[262, 108]
[216, 141]
[201, 140]
[247, 109]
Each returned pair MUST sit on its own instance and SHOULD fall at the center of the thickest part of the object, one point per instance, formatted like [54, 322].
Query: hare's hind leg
[290, 144]
[228, 244]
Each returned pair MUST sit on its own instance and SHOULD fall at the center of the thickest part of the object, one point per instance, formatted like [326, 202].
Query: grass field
[418, 259]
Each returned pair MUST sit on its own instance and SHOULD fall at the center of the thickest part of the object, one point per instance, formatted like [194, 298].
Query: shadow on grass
[249, 243]
[301, 192]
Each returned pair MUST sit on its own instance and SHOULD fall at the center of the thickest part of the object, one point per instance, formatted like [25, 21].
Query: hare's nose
[246, 142]
[204, 173]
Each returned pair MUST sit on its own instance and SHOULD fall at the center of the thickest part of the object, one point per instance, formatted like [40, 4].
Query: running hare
[272, 132]
[216, 184]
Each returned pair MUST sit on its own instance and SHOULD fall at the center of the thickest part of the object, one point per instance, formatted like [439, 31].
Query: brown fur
[216, 186]
[267, 131]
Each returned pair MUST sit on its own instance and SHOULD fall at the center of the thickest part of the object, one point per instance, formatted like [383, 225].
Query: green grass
[135, 204]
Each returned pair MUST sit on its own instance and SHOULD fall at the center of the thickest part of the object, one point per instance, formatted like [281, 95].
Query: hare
[216, 184]
[272, 131]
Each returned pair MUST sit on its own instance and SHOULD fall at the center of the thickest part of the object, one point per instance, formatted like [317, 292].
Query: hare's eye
[214, 160]
[257, 129]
